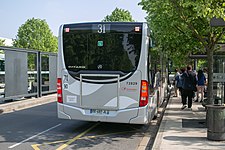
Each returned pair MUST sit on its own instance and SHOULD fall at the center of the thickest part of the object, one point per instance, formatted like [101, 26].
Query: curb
[145, 142]
[161, 128]
[27, 103]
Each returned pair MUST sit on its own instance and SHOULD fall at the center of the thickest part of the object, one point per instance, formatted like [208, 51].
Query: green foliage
[202, 64]
[119, 15]
[2, 42]
[182, 27]
[36, 34]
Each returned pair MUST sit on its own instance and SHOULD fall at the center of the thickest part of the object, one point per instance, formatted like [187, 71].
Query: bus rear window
[116, 51]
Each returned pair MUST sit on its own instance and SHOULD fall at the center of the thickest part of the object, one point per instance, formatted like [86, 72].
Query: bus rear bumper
[142, 116]
[132, 116]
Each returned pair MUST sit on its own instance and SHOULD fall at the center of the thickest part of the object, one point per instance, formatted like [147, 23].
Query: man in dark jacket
[189, 86]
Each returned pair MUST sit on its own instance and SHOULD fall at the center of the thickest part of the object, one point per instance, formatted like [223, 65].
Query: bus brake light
[59, 90]
[143, 93]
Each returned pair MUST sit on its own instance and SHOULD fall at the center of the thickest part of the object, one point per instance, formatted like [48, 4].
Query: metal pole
[195, 64]
[39, 76]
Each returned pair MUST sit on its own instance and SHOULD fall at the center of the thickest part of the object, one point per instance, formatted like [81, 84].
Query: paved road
[39, 128]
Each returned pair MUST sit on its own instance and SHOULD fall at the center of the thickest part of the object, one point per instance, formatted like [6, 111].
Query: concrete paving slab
[173, 134]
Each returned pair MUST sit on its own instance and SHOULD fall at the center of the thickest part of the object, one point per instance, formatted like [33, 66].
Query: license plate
[99, 111]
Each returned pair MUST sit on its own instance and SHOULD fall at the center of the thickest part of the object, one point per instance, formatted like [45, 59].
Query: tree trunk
[210, 99]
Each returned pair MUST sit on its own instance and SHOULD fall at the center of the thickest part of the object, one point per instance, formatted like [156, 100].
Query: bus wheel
[155, 116]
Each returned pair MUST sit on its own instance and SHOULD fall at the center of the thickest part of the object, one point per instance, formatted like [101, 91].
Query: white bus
[103, 73]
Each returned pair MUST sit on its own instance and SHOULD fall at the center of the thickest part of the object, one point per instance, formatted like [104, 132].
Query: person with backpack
[179, 85]
[189, 87]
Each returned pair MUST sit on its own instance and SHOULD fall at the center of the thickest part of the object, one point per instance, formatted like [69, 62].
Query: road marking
[76, 137]
[17, 144]
[55, 142]
[107, 134]
[35, 146]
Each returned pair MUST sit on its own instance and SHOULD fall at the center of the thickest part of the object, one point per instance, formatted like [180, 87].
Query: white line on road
[17, 144]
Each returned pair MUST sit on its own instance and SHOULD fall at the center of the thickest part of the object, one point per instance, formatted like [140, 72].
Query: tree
[2, 42]
[184, 26]
[119, 15]
[36, 34]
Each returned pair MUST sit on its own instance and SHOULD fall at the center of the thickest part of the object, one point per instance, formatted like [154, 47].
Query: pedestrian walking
[180, 83]
[177, 74]
[201, 85]
[205, 72]
[189, 87]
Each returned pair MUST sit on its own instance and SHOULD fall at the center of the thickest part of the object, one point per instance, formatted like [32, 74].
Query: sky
[14, 13]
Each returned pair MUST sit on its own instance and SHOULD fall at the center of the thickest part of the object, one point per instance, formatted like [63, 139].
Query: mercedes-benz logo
[99, 66]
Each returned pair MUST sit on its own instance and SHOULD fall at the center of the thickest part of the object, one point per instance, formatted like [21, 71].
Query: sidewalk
[26, 103]
[184, 129]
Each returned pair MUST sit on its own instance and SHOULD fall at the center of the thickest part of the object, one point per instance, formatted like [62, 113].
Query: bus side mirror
[151, 43]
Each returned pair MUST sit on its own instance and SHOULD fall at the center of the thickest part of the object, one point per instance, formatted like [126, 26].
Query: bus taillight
[59, 90]
[143, 93]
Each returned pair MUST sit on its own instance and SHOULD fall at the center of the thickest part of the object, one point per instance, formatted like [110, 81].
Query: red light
[59, 90]
[143, 93]
[67, 30]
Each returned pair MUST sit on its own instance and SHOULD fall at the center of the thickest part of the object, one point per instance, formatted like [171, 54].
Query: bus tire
[155, 115]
